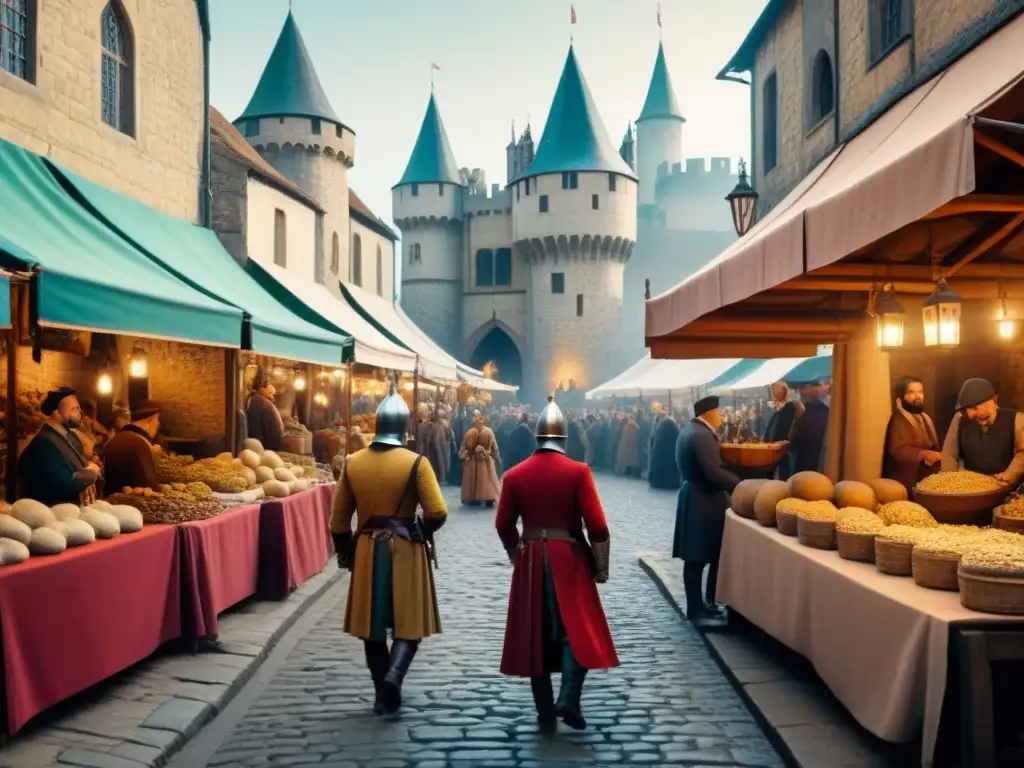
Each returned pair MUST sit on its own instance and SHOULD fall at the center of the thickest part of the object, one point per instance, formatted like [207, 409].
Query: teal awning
[88, 277]
[811, 369]
[740, 370]
[195, 255]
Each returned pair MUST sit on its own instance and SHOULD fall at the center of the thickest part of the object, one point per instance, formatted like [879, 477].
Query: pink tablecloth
[220, 566]
[293, 545]
[71, 620]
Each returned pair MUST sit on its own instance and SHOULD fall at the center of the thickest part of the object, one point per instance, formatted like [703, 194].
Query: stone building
[111, 89]
[293, 128]
[530, 277]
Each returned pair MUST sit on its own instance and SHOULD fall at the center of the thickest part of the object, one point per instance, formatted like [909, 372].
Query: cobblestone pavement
[667, 704]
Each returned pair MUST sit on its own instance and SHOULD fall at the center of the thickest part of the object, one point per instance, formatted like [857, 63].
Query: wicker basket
[856, 546]
[1012, 524]
[935, 570]
[894, 557]
[992, 594]
[961, 508]
[753, 454]
[786, 522]
[819, 534]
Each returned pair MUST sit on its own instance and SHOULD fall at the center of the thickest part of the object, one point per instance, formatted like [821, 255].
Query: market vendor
[53, 469]
[984, 437]
[911, 442]
[785, 414]
[700, 511]
[262, 417]
[129, 454]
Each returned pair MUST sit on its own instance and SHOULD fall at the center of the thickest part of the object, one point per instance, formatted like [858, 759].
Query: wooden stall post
[11, 468]
[413, 423]
[232, 378]
[347, 404]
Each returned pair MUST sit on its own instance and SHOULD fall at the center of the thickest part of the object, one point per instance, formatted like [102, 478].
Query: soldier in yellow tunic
[392, 586]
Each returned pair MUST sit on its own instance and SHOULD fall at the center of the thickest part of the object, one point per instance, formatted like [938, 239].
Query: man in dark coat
[262, 416]
[521, 443]
[780, 425]
[700, 511]
[809, 431]
[458, 431]
[576, 447]
[646, 430]
[53, 468]
[663, 472]
[129, 455]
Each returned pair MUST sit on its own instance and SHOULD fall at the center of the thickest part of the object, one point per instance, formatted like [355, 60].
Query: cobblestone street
[667, 704]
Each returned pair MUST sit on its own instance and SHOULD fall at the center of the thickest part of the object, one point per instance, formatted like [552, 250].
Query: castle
[543, 280]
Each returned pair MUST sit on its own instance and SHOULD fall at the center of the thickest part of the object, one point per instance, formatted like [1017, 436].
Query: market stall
[923, 278]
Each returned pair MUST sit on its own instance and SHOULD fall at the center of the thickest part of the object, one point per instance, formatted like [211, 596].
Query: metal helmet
[392, 418]
[552, 430]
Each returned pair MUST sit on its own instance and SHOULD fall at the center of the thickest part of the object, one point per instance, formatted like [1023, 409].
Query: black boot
[544, 701]
[378, 659]
[697, 612]
[715, 608]
[402, 652]
[568, 706]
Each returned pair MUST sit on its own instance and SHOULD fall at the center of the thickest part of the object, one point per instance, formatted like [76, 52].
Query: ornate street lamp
[942, 317]
[889, 315]
[743, 202]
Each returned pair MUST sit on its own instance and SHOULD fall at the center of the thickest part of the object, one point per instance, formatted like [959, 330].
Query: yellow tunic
[371, 485]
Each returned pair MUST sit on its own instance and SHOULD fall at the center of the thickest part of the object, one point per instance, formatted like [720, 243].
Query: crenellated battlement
[696, 178]
[479, 200]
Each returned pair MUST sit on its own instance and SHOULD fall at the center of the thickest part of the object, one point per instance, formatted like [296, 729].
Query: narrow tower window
[116, 71]
[440, 190]
[380, 271]
[503, 267]
[770, 122]
[415, 190]
[252, 127]
[570, 180]
[280, 238]
[579, 305]
[543, 203]
[558, 282]
[335, 253]
[357, 260]
[611, 182]
[484, 268]
[17, 38]
[316, 126]
[822, 88]
[595, 202]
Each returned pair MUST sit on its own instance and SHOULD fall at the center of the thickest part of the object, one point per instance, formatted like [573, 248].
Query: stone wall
[229, 181]
[59, 113]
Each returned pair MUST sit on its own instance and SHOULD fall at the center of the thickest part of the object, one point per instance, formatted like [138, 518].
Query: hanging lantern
[889, 316]
[300, 381]
[942, 317]
[1007, 325]
[104, 384]
[743, 202]
[338, 373]
[138, 367]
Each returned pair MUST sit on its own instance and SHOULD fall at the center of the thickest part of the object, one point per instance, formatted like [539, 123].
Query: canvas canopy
[765, 374]
[811, 369]
[619, 386]
[665, 376]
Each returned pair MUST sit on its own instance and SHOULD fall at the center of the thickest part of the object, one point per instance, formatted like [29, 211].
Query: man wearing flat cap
[53, 468]
[983, 437]
[700, 511]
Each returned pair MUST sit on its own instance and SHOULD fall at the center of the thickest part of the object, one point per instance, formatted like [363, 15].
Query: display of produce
[32, 513]
[811, 486]
[858, 520]
[292, 427]
[906, 513]
[1013, 507]
[753, 454]
[66, 512]
[129, 519]
[76, 532]
[102, 522]
[888, 491]
[742, 500]
[297, 459]
[767, 499]
[850, 493]
[176, 504]
[13, 552]
[221, 476]
[47, 541]
[994, 558]
[959, 483]
[12, 528]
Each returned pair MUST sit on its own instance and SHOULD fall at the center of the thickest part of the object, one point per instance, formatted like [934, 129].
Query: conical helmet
[552, 430]
[392, 418]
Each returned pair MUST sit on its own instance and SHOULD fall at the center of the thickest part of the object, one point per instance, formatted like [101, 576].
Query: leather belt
[532, 533]
[386, 527]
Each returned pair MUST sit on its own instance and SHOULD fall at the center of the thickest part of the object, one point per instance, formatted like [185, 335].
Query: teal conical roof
[574, 137]
[661, 98]
[289, 86]
[432, 160]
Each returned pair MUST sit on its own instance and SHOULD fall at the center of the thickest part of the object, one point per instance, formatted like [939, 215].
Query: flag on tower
[435, 67]
[572, 14]
[659, 13]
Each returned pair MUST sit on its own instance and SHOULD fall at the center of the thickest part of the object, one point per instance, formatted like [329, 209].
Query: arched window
[503, 267]
[18, 37]
[380, 271]
[335, 253]
[118, 100]
[484, 268]
[822, 88]
[357, 260]
[770, 123]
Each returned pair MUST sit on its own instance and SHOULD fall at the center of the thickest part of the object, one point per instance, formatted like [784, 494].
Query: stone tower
[291, 123]
[574, 223]
[427, 207]
[659, 130]
[627, 150]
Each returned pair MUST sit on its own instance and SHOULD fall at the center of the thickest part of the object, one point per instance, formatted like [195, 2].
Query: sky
[500, 62]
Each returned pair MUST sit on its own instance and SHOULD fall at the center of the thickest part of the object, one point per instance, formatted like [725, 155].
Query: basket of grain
[936, 556]
[855, 534]
[1010, 515]
[960, 497]
[754, 455]
[786, 515]
[894, 549]
[816, 525]
[991, 577]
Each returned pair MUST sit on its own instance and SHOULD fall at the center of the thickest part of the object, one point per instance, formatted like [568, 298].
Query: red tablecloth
[219, 566]
[292, 546]
[71, 620]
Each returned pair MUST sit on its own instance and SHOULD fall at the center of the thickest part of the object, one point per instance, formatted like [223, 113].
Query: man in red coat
[555, 619]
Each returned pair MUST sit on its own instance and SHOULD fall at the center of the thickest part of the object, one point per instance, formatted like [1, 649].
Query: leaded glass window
[15, 37]
[116, 78]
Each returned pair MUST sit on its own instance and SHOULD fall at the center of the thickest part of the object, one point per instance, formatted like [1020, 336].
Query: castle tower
[427, 206]
[292, 125]
[627, 150]
[659, 130]
[574, 222]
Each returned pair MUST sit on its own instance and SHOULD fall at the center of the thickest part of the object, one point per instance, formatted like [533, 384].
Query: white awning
[767, 374]
[618, 386]
[676, 375]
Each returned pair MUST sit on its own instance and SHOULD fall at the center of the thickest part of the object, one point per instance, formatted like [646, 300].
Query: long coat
[809, 437]
[553, 491]
[128, 460]
[663, 472]
[576, 445]
[520, 445]
[432, 444]
[478, 454]
[391, 585]
[906, 435]
[703, 495]
[628, 453]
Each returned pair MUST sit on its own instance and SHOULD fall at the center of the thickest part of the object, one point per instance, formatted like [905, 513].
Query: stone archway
[497, 349]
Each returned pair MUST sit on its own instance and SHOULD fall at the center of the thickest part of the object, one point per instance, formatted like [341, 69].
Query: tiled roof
[356, 205]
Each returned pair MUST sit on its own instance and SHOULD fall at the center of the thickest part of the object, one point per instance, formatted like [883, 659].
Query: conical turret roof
[432, 160]
[289, 86]
[574, 137]
[661, 100]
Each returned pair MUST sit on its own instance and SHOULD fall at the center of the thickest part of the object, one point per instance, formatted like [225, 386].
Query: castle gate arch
[496, 348]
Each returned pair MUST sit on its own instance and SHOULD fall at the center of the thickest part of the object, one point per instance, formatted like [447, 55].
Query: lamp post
[743, 202]
[942, 317]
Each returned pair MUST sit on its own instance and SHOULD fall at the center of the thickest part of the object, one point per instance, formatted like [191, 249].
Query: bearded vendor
[53, 468]
[983, 437]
